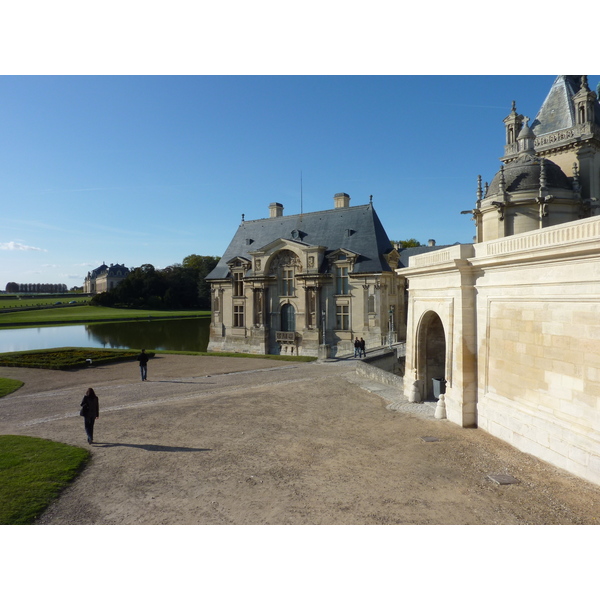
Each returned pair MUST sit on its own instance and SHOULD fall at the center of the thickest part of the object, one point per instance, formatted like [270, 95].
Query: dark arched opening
[288, 318]
[431, 354]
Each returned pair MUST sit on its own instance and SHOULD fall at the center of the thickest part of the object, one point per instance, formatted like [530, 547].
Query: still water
[175, 334]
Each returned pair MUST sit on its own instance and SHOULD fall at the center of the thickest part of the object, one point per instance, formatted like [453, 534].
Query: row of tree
[35, 288]
[179, 286]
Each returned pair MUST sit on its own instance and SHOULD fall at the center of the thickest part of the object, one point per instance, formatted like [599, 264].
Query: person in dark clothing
[356, 348]
[143, 360]
[363, 346]
[90, 411]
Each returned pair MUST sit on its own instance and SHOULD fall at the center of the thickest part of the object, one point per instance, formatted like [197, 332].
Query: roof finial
[371, 199]
[576, 186]
[502, 182]
[543, 180]
[584, 83]
[514, 106]
[479, 189]
[243, 215]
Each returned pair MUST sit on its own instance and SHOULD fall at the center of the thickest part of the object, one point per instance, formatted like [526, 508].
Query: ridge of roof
[316, 212]
[358, 229]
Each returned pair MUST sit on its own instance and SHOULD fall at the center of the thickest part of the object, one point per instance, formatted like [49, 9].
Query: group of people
[359, 348]
[90, 407]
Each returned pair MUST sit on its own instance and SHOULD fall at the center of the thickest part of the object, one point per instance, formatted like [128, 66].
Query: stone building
[307, 284]
[511, 323]
[104, 278]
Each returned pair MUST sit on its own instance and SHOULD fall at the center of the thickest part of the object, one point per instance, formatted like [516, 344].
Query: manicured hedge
[66, 358]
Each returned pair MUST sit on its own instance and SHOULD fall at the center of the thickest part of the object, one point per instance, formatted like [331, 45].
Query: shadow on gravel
[151, 447]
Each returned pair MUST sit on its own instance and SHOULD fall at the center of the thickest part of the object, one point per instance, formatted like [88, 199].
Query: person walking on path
[90, 411]
[356, 348]
[363, 351]
[143, 360]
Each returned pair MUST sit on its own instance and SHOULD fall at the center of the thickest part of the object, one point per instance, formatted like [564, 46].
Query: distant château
[35, 288]
[104, 278]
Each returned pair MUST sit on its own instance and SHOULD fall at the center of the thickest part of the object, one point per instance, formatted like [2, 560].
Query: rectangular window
[238, 316]
[342, 318]
[341, 279]
[238, 284]
[287, 282]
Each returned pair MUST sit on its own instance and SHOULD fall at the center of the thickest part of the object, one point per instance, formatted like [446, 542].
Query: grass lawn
[88, 314]
[7, 386]
[33, 472]
[7, 303]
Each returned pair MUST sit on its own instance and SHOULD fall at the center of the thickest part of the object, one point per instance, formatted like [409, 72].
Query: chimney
[341, 201]
[431, 243]
[275, 210]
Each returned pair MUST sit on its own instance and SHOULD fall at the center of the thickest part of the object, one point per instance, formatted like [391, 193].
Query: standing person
[90, 411]
[356, 348]
[143, 360]
[363, 346]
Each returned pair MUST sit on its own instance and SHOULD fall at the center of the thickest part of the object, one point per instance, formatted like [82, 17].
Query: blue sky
[150, 169]
[141, 132]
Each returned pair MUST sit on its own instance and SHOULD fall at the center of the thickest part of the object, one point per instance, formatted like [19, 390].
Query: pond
[188, 335]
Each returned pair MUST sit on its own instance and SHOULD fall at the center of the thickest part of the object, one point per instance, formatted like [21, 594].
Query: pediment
[239, 262]
[342, 254]
[280, 244]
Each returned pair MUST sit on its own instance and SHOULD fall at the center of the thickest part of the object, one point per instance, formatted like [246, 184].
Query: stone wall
[521, 321]
[386, 368]
[538, 324]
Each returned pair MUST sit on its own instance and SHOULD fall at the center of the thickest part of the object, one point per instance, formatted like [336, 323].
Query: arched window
[285, 265]
[288, 318]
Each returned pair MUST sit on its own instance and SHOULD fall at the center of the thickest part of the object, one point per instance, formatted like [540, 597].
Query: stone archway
[431, 352]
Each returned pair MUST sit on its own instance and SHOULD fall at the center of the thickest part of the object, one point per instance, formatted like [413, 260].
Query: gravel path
[212, 440]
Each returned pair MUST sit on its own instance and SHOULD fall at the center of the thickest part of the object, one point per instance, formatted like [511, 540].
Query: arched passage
[431, 352]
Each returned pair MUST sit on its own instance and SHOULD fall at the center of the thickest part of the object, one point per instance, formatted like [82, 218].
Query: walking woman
[90, 411]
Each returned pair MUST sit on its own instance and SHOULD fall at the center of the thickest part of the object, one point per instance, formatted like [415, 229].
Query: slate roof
[355, 228]
[524, 174]
[557, 111]
[98, 270]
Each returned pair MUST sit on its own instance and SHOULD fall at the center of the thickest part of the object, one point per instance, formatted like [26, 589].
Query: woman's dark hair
[90, 392]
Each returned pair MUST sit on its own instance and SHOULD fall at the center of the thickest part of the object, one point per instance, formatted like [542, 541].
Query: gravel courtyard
[212, 440]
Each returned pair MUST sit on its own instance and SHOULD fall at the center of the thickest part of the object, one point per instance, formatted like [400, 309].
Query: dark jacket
[93, 407]
[143, 358]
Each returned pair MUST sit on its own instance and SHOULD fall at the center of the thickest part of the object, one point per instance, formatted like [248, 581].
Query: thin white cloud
[19, 246]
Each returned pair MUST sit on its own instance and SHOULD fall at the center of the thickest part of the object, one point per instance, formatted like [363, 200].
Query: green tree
[412, 243]
[202, 265]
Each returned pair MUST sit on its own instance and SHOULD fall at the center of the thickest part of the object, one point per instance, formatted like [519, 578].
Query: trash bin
[439, 386]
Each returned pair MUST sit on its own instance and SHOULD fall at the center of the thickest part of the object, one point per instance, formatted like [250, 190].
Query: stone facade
[104, 278]
[307, 284]
[511, 323]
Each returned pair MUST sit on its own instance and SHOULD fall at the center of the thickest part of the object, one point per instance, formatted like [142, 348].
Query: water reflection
[188, 335]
